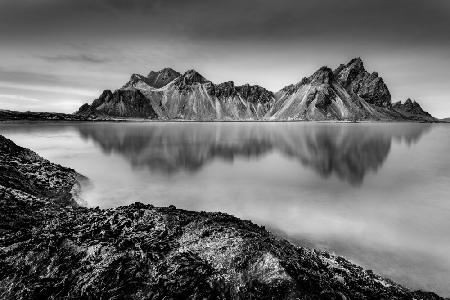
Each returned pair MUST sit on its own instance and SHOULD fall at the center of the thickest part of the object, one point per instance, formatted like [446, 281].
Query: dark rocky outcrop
[188, 79]
[255, 93]
[51, 248]
[162, 77]
[154, 79]
[368, 86]
[24, 173]
[347, 93]
[412, 110]
[252, 93]
[123, 103]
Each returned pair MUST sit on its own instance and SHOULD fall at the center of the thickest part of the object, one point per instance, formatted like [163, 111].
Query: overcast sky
[58, 54]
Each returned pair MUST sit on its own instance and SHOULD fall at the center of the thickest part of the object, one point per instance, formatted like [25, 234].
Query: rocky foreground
[50, 247]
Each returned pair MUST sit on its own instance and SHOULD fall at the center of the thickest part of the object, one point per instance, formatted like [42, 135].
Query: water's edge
[146, 251]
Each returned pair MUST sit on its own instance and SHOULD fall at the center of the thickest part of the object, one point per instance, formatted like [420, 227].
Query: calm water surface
[377, 194]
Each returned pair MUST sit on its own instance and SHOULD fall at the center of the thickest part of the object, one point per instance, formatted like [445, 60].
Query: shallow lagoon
[376, 193]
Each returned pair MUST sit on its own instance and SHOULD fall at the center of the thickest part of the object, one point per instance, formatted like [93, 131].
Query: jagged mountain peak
[412, 110]
[409, 101]
[191, 77]
[347, 73]
[162, 77]
[134, 80]
[136, 76]
[357, 81]
[163, 71]
[322, 76]
[194, 75]
[356, 62]
[154, 79]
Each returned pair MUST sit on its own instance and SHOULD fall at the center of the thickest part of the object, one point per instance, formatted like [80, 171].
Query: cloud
[362, 22]
[80, 58]
[18, 97]
[96, 44]
[48, 89]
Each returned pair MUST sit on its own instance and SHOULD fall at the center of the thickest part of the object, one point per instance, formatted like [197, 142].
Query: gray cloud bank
[271, 43]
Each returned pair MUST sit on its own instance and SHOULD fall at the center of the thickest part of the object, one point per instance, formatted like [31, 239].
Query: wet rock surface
[55, 249]
[24, 172]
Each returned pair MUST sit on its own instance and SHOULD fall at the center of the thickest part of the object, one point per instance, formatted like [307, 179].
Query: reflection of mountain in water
[346, 150]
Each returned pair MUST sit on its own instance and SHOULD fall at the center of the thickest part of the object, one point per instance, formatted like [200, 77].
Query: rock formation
[25, 174]
[52, 248]
[356, 80]
[347, 93]
[125, 103]
[171, 95]
[412, 110]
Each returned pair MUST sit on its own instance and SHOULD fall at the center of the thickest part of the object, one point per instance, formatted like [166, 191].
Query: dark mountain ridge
[347, 93]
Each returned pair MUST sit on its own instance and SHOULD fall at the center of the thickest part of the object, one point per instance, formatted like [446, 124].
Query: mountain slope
[412, 110]
[120, 103]
[347, 93]
[169, 95]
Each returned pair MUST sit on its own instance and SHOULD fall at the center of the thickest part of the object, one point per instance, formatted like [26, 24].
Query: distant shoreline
[13, 116]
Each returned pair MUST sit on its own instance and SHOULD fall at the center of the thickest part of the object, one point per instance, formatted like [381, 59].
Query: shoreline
[16, 116]
[64, 249]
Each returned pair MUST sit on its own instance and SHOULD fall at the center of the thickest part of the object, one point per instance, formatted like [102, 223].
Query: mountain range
[347, 93]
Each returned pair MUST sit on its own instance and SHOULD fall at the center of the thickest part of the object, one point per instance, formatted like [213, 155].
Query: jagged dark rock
[255, 93]
[123, 103]
[412, 110]
[154, 79]
[162, 77]
[24, 173]
[191, 77]
[252, 93]
[50, 248]
[347, 93]
[222, 90]
[366, 85]
[135, 79]
[322, 76]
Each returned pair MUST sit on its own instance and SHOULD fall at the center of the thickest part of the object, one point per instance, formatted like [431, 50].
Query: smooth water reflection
[375, 193]
[347, 151]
